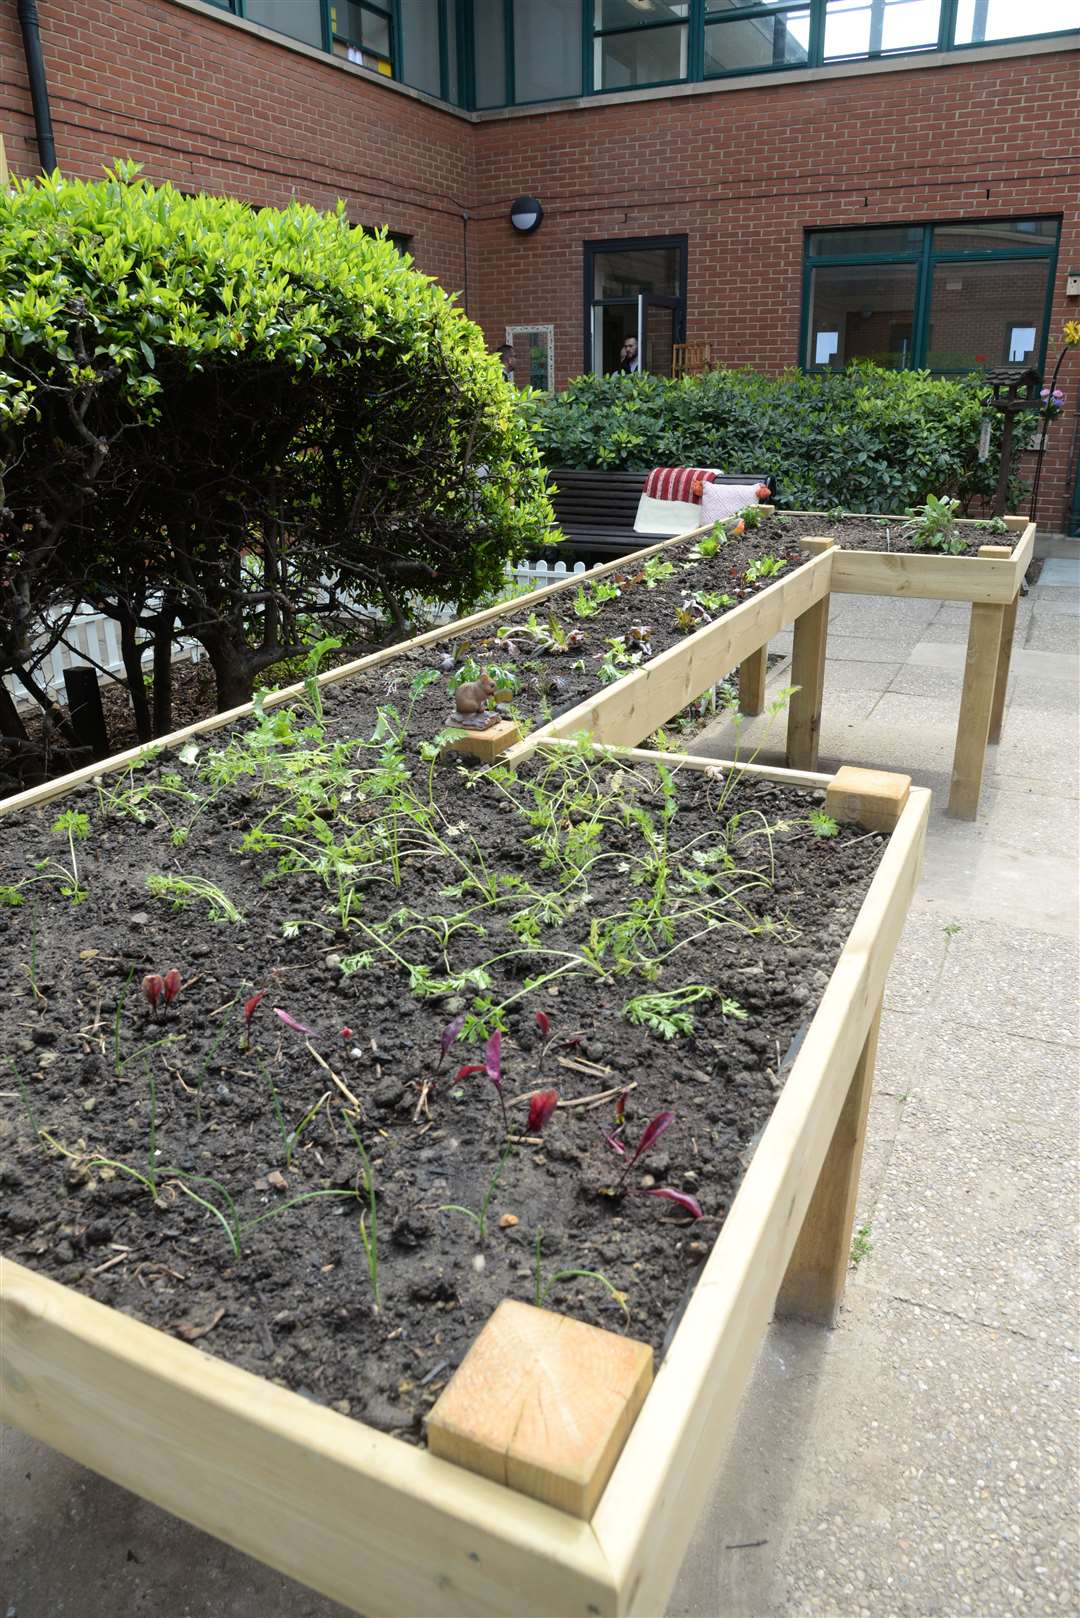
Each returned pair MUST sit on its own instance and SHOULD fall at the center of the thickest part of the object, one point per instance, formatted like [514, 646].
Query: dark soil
[297, 1306]
[877, 533]
[549, 682]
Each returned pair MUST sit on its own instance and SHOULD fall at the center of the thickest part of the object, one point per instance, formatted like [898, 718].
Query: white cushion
[719, 501]
[667, 517]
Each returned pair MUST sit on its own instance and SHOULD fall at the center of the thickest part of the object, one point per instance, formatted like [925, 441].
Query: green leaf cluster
[864, 439]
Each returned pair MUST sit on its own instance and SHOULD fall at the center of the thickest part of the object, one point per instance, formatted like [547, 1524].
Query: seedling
[368, 1223]
[823, 825]
[75, 826]
[185, 890]
[752, 517]
[542, 1291]
[766, 567]
[649, 1137]
[933, 526]
[666, 1013]
[251, 1005]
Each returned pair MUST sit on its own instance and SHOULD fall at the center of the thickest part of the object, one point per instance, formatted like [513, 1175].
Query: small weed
[951, 928]
[861, 1246]
[823, 825]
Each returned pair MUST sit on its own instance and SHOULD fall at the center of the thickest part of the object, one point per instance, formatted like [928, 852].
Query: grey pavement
[919, 1461]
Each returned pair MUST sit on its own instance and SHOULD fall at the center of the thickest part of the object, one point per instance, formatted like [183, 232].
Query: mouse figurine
[470, 703]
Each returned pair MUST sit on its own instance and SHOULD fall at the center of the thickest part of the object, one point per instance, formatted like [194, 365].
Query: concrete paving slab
[918, 964]
[1029, 1083]
[1060, 602]
[1043, 665]
[1029, 819]
[975, 875]
[1047, 696]
[1042, 748]
[894, 648]
[939, 1493]
[1014, 980]
[1049, 632]
[858, 676]
[977, 1216]
[1059, 572]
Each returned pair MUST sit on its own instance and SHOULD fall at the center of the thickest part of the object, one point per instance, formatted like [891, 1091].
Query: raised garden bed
[787, 933]
[879, 556]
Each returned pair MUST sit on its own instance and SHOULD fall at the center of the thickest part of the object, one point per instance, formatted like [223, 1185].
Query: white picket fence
[94, 639]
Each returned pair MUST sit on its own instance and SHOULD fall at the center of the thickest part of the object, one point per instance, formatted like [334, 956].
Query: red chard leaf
[449, 1035]
[251, 1006]
[543, 1022]
[687, 1203]
[493, 1059]
[171, 984]
[652, 1132]
[153, 987]
[291, 1022]
[541, 1107]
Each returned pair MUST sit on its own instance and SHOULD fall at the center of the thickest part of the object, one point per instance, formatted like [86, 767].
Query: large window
[952, 297]
[496, 53]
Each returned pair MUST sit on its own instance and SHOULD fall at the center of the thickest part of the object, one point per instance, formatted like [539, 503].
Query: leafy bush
[230, 422]
[864, 439]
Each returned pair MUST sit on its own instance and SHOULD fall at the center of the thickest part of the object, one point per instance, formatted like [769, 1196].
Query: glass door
[635, 304]
[657, 332]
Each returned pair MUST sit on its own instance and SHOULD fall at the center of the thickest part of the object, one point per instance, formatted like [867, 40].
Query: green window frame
[928, 251]
[803, 22]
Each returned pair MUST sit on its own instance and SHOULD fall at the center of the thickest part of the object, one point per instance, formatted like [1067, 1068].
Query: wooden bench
[596, 510]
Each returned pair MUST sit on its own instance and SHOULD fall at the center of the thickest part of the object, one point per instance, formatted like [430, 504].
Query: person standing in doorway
[506, 356]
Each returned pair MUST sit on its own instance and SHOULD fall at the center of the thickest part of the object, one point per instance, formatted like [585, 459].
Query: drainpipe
[39, 90]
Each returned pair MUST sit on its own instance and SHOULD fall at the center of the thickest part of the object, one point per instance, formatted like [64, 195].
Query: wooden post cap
[871, 798]
[486, 745]
[542, 1403]
[816, 542]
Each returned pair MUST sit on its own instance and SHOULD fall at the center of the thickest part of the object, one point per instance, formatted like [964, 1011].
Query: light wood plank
[380, 1526]
[486, 745]
[753, 673]
[808, 678]
[1004, 657]
[542, 1403]
[813, 1284]
[986, 578]
[647, 1513]
[695, 761]
[871, 798]
[976, 701]
[642, 702]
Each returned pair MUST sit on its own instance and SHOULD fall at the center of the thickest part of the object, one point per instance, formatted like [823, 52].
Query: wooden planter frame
[991, 582]
[388, 1529]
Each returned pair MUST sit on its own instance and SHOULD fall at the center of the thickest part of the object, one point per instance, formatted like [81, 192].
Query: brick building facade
[741, 168]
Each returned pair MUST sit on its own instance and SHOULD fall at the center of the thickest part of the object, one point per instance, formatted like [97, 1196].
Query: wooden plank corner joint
[871, 798]
[542, 1403]
[486, 745]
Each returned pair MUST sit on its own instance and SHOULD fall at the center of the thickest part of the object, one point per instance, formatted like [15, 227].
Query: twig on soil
[223, 1008]
[579, 1065]
[342, 1086]
[109, 1262]
[596, 1100]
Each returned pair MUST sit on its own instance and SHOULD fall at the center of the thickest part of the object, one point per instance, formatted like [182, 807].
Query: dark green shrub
[864, 439]
[233, 422]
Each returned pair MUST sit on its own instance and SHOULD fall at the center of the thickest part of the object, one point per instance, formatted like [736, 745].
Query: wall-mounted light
[525, 214]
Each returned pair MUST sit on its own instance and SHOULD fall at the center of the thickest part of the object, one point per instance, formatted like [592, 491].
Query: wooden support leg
[973, 729]
[1001, 679]
[817, 1269]
[752, 674]
[808, 673]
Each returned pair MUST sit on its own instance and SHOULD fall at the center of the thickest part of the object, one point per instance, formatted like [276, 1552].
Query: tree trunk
[129, 651]
[45, 702]
[11, 723]
[233, 674]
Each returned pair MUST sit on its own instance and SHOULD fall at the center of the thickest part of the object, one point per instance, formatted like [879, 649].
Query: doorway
[634, 290]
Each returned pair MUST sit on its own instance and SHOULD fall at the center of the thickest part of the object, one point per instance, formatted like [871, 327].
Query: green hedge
[864, 439]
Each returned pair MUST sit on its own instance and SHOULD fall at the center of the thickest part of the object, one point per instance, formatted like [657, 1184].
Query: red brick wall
[742, 173]
[211, 107]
